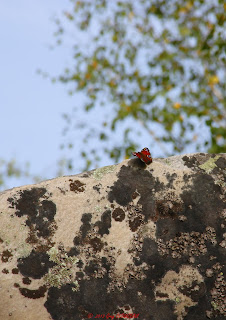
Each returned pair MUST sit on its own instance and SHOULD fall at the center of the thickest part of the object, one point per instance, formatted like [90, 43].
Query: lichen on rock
[130, 239]
[63, 272]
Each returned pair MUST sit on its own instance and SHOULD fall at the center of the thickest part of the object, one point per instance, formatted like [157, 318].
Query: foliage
[9, 169]
[159, 63]
[14, 173]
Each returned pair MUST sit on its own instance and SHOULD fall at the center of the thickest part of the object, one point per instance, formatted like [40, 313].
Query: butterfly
[144, 155]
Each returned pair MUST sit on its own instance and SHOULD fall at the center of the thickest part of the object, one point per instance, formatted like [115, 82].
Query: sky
[31, 106]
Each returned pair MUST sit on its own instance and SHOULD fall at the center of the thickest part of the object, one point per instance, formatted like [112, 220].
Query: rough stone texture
[146, 242]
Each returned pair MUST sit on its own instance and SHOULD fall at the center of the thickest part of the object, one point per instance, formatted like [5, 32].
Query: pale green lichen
[97, 209]
[53, 254]
[214, 305]
[210, 164]
[99, 173]
[167, 161]
[14, 233]
[23, 250]
[76, 286]
[177, 300]
[220, 183]
[64, 270]
[7, 241]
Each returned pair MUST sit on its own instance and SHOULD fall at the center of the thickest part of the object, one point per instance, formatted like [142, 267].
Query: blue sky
[31, 107]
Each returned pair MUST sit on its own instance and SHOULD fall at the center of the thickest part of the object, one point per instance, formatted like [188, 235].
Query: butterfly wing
[145, 151]
[144, 155]
[136, 154]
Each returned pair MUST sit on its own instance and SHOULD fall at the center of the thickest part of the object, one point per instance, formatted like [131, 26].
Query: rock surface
[123, 241]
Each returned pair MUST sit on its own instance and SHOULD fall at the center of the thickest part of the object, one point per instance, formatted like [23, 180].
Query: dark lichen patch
[6, 255]
[202, 203]
[80, 264]
[40, 213]
[5, 271]
[86, 224]
[92, 298]
[118, 214]
[186, 178]
[63, 303]
[79, 275]
[221, 163]
[77, 186]
[33, 294]
[47, 211]
[77, 241]
[26, 280]
[28, 201]
[161, 295]
[122, 193]
[167, 228]
[208, 163]
[73, 252]
[92, 268]
[210, 302]
[95, 298]
[132, 180]
[16, 285]
[196, 160]
[105, 224]
[15, 270]
[171, 209]
[96, 244]
[159, 264]
[32, 235]
[105, 264]
[87, 174]
[62, 190]
[190, 162]
[97, 187]
[135, 223]
[195, 291]
[171, 178]
[36, 265]
[137, 164]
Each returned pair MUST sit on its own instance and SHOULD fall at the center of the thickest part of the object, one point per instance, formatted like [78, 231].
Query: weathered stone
[144, 242]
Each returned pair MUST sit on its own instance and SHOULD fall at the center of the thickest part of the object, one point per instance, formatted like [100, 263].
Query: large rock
[144, 242]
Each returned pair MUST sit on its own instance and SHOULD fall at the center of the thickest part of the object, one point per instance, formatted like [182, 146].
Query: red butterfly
[144, 155]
